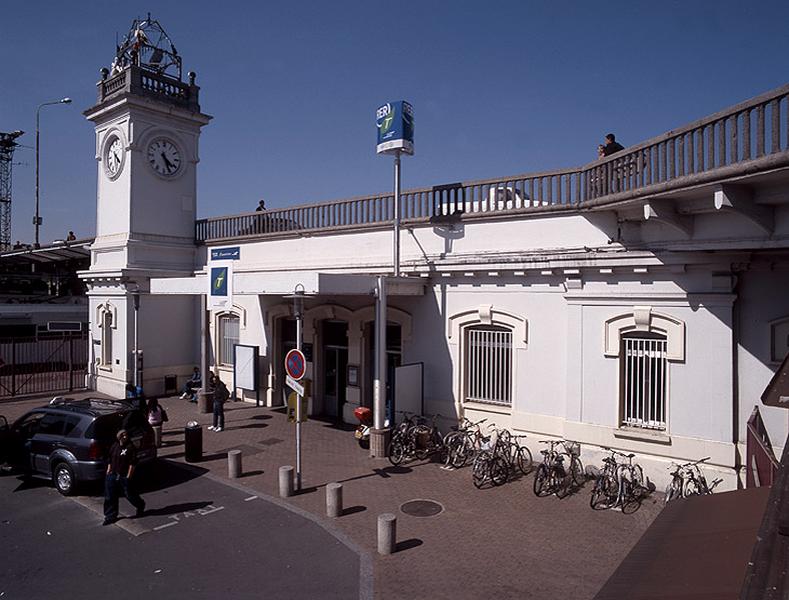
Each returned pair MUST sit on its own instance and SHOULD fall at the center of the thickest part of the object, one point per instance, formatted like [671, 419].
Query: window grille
[228, 337]
[644, 382]
[489, 366]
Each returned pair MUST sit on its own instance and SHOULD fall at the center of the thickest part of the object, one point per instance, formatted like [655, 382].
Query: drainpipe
[735, 392]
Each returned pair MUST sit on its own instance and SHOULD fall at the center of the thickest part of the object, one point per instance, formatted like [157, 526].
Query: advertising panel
[395, 124]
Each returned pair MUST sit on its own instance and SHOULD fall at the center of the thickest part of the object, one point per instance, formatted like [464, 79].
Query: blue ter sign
[395, 124]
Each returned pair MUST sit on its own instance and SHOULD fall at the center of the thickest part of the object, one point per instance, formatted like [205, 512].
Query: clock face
[114, 158]
[164, 157]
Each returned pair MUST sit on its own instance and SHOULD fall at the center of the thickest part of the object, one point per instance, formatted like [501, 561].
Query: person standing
[123, 459]
[157, 416]
[611, 145]
[221, 394]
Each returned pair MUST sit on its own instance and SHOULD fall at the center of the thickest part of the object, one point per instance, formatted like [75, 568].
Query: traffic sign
[295, 364]
[294, 385]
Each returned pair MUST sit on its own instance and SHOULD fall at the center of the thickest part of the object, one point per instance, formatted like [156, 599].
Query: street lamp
[37, 220]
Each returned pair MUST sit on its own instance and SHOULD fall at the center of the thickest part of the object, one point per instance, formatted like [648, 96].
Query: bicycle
[402, 443]
[462, 443]
[618, 484]
[631, 484]
[576, 476]
[550, 475]
[605, 492]
[489, 465]
[688, 480]
[427, 440]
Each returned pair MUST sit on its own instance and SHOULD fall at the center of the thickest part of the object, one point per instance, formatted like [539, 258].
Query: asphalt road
[200, 538]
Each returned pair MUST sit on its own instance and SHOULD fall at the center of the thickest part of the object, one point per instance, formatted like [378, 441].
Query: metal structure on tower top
[149, 47]
[7, 146]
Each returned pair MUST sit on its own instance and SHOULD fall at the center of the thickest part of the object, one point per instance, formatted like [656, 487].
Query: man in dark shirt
[120, 469]
[611, 145]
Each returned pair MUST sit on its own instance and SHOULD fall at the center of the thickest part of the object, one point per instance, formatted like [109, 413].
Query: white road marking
[165, 525]
[251, 498]
[213, 509]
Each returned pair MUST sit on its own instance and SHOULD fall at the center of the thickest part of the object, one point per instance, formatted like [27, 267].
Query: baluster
[760, 131]
[663, 172]
[671, 160]
[721, 142]
[775, 143]
[733, 145]
[566, 198]
[746, 134]
[711, 146]
[549, 194]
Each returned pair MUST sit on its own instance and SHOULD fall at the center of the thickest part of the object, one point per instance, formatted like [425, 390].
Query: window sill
[491, 408]
[106, 368]
[643, 435]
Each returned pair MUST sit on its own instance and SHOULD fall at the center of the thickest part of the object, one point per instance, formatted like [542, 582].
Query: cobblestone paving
[502, 542]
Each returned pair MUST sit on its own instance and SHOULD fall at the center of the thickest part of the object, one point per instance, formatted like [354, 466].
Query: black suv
[69, 440]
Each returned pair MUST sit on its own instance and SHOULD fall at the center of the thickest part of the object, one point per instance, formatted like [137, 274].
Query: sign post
[295, 368]
[395, 123]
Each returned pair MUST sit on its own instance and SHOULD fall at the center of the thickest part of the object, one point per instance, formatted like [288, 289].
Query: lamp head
[66, 100]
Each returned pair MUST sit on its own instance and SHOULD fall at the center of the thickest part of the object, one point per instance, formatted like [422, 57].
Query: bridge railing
[745, 138]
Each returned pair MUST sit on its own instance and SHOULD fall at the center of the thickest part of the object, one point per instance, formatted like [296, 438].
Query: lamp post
[37, 219]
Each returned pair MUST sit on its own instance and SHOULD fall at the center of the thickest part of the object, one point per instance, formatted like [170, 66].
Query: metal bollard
[234, 464]
[286, 482]
[387, 533]
[334, 500]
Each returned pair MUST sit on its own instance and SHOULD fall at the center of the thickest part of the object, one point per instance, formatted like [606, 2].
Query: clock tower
[147, 121]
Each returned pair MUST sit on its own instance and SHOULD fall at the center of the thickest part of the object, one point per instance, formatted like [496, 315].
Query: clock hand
[167, 163]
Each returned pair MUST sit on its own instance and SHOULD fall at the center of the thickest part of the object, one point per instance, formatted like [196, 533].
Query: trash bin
[193, 442]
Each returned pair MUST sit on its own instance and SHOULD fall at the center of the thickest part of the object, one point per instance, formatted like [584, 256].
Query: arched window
[229, 326]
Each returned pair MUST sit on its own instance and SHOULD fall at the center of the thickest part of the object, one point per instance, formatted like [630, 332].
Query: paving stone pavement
[501, 542]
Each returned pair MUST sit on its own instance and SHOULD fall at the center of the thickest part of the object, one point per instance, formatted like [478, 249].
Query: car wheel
[63, 478]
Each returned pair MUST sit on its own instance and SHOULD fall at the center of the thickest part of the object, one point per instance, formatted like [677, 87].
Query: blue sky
[498, 88]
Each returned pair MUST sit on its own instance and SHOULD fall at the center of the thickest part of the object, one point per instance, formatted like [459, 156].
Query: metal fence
[48, 363]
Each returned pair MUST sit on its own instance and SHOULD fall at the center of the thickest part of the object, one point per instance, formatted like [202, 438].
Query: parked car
[69, 440]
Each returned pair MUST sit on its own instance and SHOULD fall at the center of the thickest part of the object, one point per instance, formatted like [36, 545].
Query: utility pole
[7, 146]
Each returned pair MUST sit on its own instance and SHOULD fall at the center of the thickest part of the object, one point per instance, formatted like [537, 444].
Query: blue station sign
[395, 123]
[233, 253]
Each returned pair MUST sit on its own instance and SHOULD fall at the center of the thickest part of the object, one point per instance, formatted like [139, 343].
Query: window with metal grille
[106, 339]
[644, 377]
[489, 365]
[228, 337]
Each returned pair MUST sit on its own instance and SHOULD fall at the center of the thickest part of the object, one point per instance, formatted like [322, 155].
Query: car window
[71, 423]
[52, 424]
[28, 426]
[105, 427]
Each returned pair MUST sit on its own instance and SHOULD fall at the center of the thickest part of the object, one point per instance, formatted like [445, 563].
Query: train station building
[638, 302]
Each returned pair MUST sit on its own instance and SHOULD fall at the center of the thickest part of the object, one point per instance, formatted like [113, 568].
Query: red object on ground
[364, 414]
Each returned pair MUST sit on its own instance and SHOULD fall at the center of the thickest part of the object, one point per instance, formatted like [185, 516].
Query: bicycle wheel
[605, 492]
[480, 470]
[577, 472]
[452, 445]
[542, 485]
[524, 460]
[499, 470]
[463, 451]
[397, 450]
[674, 489]
[691, 488]
[561, 481]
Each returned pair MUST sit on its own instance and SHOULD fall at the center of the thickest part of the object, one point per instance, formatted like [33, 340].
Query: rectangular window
[644, 382]
[228, 337]
[106, 339]
[489, 366]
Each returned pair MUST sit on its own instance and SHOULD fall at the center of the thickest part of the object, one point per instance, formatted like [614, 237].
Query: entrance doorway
[287, 339]
[334, 336]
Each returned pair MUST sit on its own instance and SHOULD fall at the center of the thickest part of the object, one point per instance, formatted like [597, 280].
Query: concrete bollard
[387, 533]
[334, 500]
[157, 435]
[234, 464]
[286, 482]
